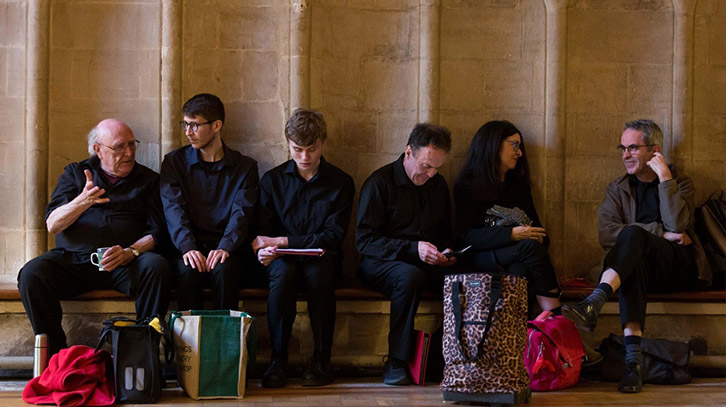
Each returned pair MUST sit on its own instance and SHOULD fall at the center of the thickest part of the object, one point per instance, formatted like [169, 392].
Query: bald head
[115, 145]
[104, 129]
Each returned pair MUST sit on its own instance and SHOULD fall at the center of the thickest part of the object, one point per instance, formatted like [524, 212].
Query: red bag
[553, 354]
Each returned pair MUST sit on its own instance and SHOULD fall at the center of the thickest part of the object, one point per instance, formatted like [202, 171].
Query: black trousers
[317, 275]
[54, 276]
[403, 283]
[648, 264]
[527, 258]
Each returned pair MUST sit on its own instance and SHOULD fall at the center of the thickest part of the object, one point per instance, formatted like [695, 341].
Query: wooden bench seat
[571, 291]
[9, 292]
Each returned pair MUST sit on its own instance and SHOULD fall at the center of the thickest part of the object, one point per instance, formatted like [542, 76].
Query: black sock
[633, 352]
[599, 296]
[607, 288]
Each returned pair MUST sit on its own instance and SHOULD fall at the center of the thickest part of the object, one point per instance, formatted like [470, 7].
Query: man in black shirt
[403, 232]
[304, 203]
[209, 193]
[108, 200]
[646, 224]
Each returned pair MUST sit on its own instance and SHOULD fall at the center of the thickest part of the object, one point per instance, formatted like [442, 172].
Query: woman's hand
[528, 232]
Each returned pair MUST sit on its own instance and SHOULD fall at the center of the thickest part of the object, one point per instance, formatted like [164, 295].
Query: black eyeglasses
[515, 144]
[121, 147]
[633, 148]
[194, 126]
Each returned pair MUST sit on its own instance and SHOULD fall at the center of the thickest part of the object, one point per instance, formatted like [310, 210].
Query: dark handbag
[138, 377]
[502, 216]
[664, 361]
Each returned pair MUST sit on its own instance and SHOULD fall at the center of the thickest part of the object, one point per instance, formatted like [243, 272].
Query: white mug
[99, 255]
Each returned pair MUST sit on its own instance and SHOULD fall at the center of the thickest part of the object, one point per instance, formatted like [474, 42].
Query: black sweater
[470, 214]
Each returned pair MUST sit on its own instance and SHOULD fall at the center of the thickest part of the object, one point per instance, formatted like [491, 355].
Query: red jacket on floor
[75, 376]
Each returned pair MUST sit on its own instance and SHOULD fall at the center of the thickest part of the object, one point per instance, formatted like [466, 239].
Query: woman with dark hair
[495, 181]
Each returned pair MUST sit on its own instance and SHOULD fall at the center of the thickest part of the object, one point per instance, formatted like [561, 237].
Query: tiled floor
[370, 392]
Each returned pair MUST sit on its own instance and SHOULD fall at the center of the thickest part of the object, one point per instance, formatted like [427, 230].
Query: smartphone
[457, 253]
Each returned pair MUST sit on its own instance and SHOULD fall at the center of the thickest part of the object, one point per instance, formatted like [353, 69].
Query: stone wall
[567, 73]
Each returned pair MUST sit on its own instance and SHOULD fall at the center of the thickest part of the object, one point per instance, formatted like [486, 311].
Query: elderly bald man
[108, 200]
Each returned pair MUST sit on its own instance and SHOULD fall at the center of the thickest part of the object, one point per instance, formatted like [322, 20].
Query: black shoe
[582, 314]
[318, 373]
[632, 381]
[395, 372]
[275, 375]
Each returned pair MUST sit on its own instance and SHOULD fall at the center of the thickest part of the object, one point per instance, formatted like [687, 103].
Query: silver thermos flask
[40, 356]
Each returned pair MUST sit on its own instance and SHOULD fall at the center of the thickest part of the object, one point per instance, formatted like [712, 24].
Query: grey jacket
[677, 206]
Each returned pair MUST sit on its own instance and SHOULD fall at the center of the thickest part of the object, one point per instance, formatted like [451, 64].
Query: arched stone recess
[104, 62]
[240, 51]
[365, 79]
[493, 66]
[619, 67]
[708, 146]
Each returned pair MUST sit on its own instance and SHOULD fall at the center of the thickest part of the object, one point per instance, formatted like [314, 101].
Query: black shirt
[471, 212]
[134, 209]
[312, 214]
[647, 200]
[208, 204]
[394, 214]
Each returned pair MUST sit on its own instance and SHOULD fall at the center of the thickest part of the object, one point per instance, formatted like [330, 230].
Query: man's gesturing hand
[91, 194]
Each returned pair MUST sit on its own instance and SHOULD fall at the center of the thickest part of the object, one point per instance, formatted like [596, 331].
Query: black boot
[583, 315]
[276, 375]
[318, 373]
[632, 381]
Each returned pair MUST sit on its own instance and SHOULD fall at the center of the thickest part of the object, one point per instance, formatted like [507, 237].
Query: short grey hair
[652, 134]
[92, 140]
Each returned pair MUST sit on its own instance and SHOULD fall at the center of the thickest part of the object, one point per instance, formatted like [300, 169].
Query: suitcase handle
[496, 294]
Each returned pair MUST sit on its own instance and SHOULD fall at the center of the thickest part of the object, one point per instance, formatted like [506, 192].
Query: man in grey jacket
[645, 223]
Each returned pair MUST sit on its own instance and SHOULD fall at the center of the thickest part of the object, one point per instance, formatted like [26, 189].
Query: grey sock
[597, 299]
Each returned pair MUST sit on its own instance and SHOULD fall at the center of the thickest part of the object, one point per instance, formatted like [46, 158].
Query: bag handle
[496, 294]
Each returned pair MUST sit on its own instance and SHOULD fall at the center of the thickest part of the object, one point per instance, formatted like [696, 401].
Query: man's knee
[32, 273]
[155, 266]
[409, 278]
[282, 272]
[631, 233]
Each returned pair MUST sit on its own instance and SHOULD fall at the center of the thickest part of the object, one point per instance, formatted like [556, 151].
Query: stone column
[171, 67]
[429, 61]
[681, 143]
[36, 127]
[555, 127]
[299, 54]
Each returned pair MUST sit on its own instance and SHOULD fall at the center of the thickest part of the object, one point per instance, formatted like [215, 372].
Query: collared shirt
[647, 201]
[394, 214]
[133, 211]
[311, 214]
[211, 205]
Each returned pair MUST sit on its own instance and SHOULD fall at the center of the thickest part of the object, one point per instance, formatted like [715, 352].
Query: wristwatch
[135, 251]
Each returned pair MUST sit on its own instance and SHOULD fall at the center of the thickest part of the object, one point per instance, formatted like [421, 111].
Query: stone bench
[363, 318]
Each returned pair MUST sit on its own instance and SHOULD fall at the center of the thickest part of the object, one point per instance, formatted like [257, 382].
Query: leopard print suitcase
[485, 329]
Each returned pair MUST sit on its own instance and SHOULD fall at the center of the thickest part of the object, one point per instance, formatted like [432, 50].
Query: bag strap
[105, 332]
[495, 295]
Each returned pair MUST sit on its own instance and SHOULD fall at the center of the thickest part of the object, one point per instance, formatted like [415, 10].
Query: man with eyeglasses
[209, 192]
[645, 223]
[108, 200]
